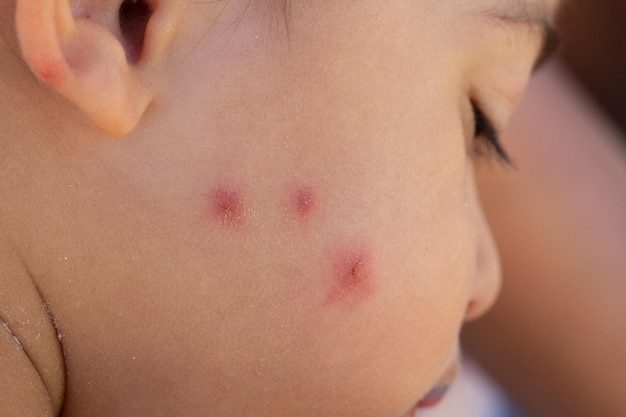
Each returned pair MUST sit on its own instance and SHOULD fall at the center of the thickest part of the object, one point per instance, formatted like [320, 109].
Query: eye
[486, 142]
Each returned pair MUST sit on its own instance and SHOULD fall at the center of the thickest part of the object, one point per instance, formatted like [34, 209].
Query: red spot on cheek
[304, 201]
[353, 275]
[227, 206]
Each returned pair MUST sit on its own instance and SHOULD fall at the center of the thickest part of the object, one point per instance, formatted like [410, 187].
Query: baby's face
[299, 207]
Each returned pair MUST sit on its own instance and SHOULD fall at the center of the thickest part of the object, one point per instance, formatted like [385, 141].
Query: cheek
[365, 301]
[389, 303]
[422, 246]
[354, 275]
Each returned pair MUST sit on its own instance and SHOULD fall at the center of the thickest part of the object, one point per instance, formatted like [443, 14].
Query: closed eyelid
[530, 15]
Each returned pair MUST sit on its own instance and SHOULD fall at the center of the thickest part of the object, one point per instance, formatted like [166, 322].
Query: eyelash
[486, 142]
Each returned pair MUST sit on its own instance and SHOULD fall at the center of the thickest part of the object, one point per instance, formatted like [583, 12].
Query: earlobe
[83, 55]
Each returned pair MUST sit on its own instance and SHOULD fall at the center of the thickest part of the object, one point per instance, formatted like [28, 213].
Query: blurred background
[555, 343]
[594, 51]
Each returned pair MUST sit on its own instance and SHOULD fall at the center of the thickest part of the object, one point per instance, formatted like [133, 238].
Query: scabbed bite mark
[227, 206]
[353, 277]
[304, 201]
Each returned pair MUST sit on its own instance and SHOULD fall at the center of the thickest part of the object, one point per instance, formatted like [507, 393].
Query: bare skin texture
[286, 223]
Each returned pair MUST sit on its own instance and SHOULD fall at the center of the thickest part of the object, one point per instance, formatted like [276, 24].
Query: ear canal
[134, 16]
[92, 62]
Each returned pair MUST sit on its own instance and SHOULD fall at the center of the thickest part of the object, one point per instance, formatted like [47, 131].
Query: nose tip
[487, 275]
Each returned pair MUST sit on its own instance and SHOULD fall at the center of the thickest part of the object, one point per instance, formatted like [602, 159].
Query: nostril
[134, 16]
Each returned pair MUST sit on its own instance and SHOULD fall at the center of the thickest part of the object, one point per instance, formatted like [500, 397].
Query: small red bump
[227, 206]
[353, 276]
[304, 201]
[353, 273]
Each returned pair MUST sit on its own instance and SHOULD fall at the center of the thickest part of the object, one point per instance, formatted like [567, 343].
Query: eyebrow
[532, 14]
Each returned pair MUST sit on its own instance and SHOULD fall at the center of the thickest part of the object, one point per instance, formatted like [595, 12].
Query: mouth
[434, 397]
[439, 391]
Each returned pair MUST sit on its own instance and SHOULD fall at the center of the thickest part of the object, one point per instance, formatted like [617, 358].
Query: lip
[434, 397]
[439, 391]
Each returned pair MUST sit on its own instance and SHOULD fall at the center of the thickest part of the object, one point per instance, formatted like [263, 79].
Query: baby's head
[286, 221]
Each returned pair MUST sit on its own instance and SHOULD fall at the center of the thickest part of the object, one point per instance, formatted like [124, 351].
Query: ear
[92, 53]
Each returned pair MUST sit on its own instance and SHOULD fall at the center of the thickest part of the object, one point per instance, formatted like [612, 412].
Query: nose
[487, 272]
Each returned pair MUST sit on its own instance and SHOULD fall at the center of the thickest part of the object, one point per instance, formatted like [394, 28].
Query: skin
[182, 267]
